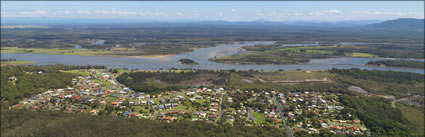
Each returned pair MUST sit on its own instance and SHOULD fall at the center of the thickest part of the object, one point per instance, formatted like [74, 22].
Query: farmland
[274, 54]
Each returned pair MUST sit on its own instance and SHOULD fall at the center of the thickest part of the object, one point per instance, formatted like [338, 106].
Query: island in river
[277, 54]
[188, 61]
[398, 63]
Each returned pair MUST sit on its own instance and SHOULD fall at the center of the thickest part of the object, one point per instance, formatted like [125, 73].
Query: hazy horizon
[281, 11]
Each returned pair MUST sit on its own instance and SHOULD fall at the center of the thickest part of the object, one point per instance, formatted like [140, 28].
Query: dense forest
[18, 82]
[5, 60]
[382, 76]
[378, 115]
[54, 124]
[398, 63]
[140, 81]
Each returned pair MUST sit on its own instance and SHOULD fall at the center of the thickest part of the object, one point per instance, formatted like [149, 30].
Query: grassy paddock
[357, 54]
[414, 116]
[15, 62]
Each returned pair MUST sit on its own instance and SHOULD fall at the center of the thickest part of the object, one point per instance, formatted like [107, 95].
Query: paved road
[221, 106]
[155, 114]
[288, 130]
[251, 117]
[395, 101]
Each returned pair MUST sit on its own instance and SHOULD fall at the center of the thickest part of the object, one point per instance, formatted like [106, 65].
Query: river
[201, 56]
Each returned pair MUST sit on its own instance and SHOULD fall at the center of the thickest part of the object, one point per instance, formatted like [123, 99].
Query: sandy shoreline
[154, 57]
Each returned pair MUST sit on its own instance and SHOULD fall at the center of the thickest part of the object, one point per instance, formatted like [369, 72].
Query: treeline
[54, 68]
[137, 80]
[381, 76]
[18, 82]
[398, 63]
[188, 61]
[6, 60]
[378, 115]
[53, 124]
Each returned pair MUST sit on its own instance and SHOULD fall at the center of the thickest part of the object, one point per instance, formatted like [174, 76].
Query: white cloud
[115, 12]
[157, 13]
[326, 13]
[382, 13]
[196, 15]
[83, 12]
[330, 14]
[35, 12]
[179, 13]
[220, 14]
[275, 13]
[64, 12]
[296, 14]
[333, 11]
[3, 12]
[233, 10]
[259, 13]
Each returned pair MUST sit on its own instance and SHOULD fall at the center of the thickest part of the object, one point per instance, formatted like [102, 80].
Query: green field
[104, 82]
[15, 62]
[81, 73]
[414, 116]
[357, 54]
[278, 80]
[82, 51]
[273, 54]
[384, 88]
[295, 75]
[259, 117]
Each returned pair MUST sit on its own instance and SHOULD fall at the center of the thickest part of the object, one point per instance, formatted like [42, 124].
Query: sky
[217, 10]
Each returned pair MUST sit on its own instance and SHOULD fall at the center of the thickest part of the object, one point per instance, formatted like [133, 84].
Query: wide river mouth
[201, 56]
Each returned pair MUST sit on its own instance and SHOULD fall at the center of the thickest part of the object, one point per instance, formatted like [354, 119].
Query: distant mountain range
[402, 24]
[63, 21]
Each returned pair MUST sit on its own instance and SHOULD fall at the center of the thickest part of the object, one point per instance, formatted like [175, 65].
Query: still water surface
[201, 56]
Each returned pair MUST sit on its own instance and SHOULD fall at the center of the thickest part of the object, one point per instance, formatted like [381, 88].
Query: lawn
[259, 117]
[104, 82]
[111, 98]
[138, 108]
[180, 106]
[414, 116]
[156, 101]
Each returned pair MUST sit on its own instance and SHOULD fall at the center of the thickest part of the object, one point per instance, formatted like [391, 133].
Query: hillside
[399, 25]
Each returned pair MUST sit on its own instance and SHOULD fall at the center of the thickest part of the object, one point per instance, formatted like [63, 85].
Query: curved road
[395, 101]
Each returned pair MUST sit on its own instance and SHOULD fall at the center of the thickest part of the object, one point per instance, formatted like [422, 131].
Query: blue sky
[218, 10]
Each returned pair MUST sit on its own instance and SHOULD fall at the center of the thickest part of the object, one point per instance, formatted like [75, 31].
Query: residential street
[288, 130]
[221, 106]
[250, 117]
